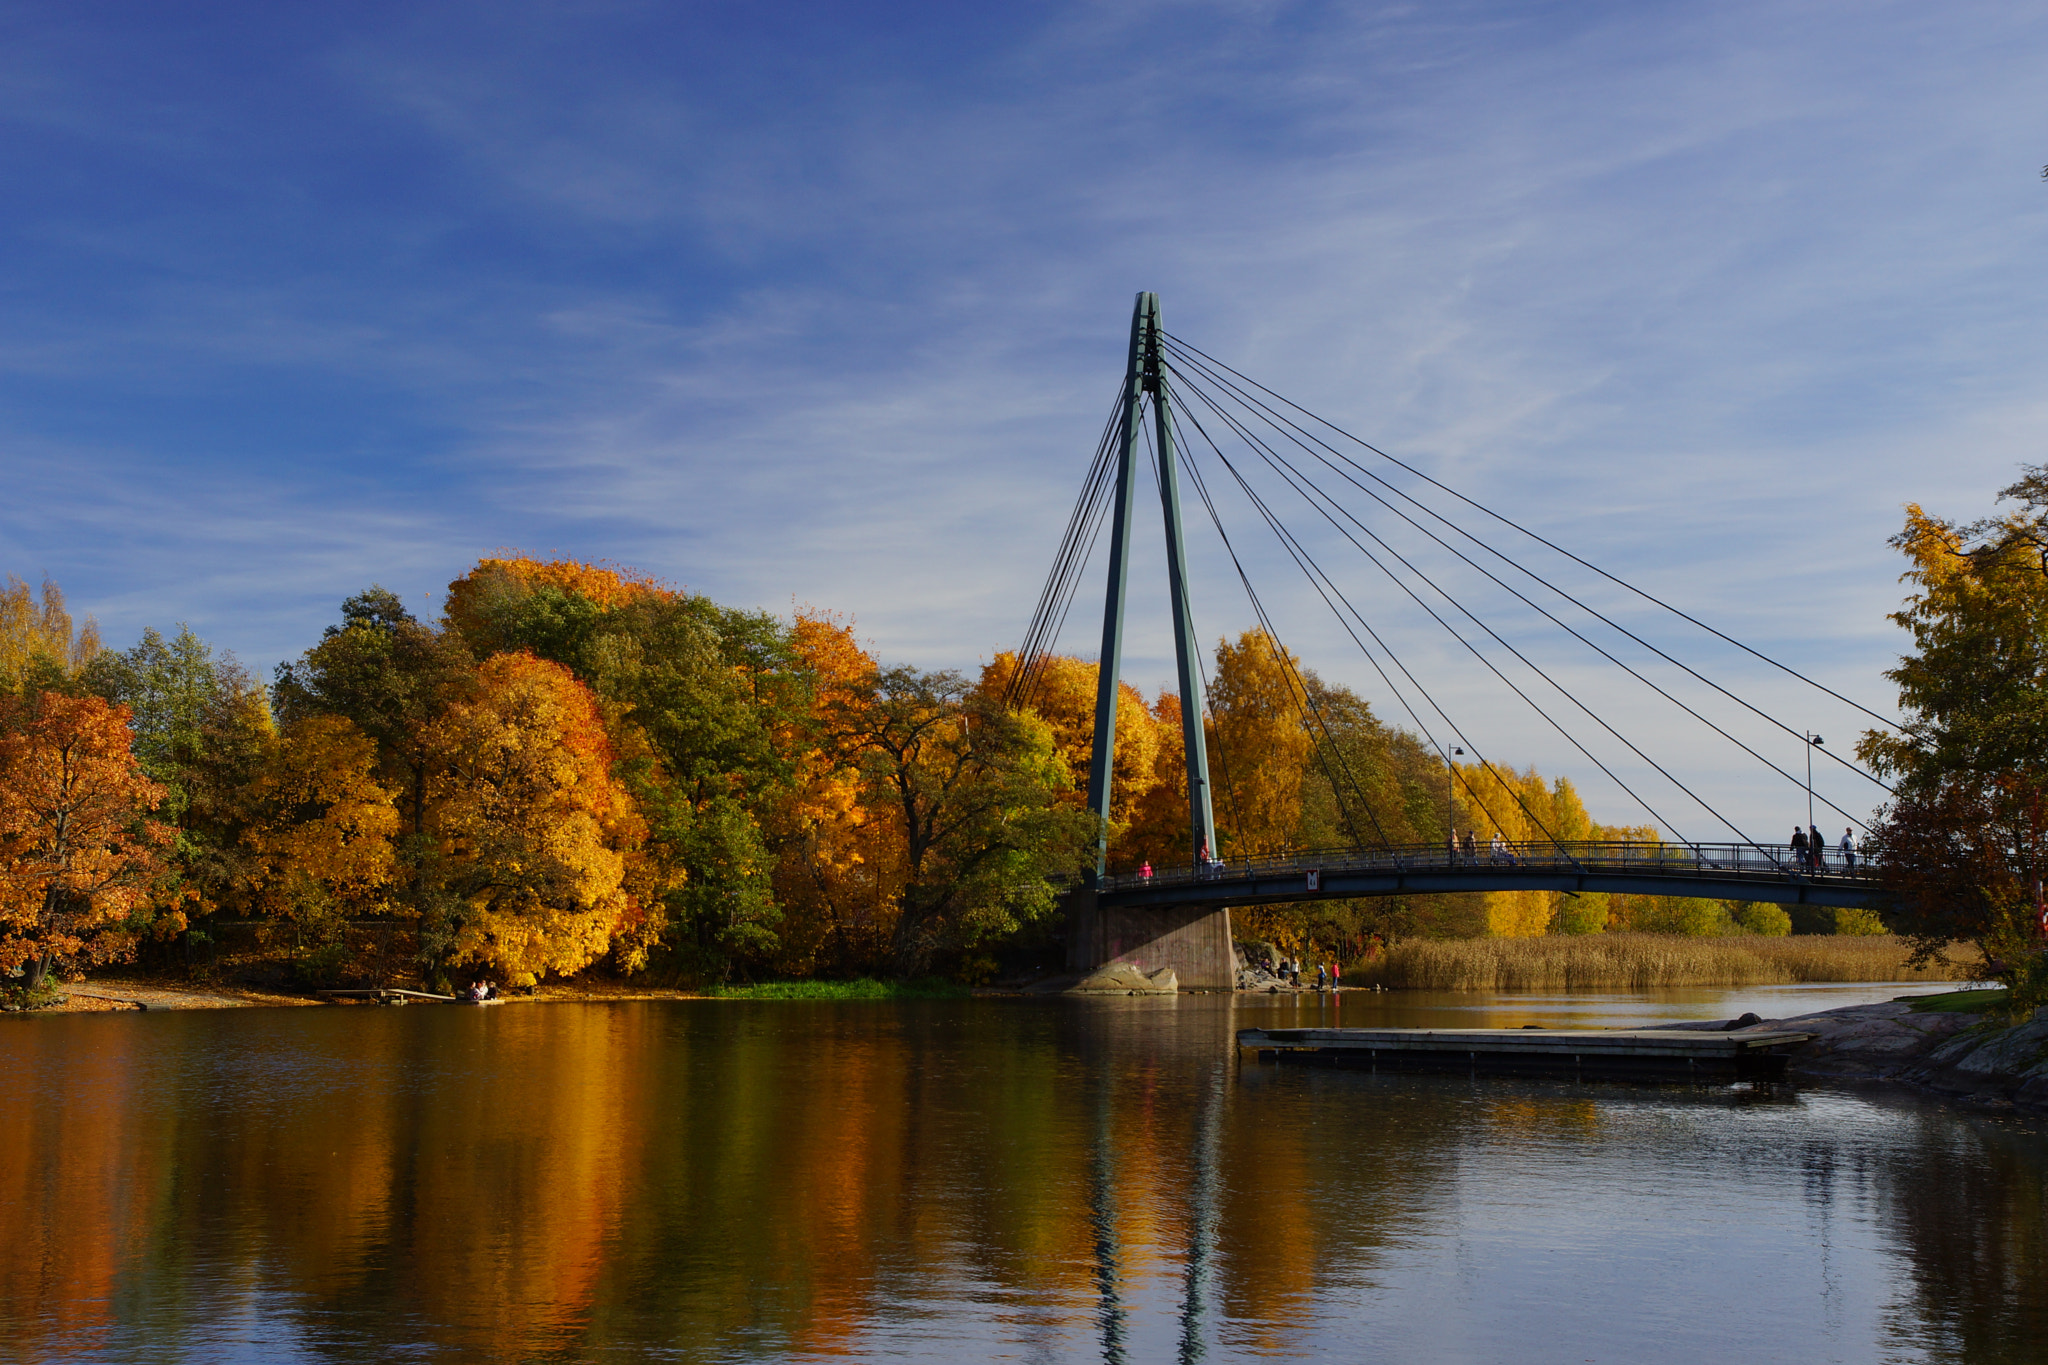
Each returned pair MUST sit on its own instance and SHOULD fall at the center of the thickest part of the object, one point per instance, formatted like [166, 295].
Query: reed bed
[1645, 961]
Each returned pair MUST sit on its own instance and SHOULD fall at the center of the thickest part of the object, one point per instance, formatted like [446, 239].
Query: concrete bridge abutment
[1194, 940]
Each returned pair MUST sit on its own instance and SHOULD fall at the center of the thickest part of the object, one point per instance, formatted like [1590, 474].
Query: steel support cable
[1300, 482]
[1050, 614]
[1306, 705]
[1222, 749]
[1286, 542]
[1392, 686]
[1044, 657]
[1530, 701]
[1567, 628]
[1076, 545]
[1472, 791]
[1069, 566]
[1193, 353]
[1284, 428]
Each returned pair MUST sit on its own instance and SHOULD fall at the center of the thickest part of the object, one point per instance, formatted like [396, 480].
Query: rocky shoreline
[1952, 1053]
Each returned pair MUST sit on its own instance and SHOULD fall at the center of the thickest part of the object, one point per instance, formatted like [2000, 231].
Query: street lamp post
[1812, 742]
[1451, 798]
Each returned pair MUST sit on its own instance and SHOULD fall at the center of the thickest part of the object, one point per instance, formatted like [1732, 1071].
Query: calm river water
[1042, 1180]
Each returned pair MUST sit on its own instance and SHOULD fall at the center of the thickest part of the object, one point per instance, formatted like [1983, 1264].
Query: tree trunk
[38, 971]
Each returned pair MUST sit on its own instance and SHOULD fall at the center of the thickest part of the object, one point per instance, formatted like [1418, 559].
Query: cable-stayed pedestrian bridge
[1717, 871]
[1380, 542]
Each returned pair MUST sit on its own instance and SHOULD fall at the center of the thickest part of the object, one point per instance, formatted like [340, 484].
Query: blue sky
[826, 303]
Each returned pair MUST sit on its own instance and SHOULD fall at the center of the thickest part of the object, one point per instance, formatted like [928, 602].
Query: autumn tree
[703, 703]
[1368, 784]
[200, 725]
[839, 865]
[1145, 758]
[1258, 744]
[322, 830]
[1963, 844]
[78, 853]
[974, 791]
[392, 676]
[529, 830]
[38, 646]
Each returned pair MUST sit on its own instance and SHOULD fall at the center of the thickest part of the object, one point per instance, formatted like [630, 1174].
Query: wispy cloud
[828, 312]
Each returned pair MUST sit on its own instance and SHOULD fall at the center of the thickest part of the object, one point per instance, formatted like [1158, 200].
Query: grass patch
[20, 998]
[1641, 962]
[929, 988]
[1958, 1002]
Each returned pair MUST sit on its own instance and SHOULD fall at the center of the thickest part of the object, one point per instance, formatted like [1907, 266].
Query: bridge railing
[1643, 856]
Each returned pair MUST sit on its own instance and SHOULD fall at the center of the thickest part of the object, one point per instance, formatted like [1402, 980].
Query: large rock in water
[1121, 978]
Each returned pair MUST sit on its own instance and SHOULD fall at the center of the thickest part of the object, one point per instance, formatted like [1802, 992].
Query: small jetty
[1682, 1055]
[389, 995]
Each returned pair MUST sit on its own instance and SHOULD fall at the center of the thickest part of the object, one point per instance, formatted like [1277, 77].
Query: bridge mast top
[1144, 375]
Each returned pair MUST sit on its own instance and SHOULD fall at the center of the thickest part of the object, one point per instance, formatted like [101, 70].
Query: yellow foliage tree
[1064, 699]
[531, 829]
[321, 827]
[32, 630]
[1258, 746]
[1523, 808]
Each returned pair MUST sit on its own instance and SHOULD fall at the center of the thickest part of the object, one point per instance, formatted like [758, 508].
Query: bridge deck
[1721, 871]
[1621, 1054]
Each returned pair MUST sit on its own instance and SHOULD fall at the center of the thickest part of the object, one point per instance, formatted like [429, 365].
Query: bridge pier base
[1194, 940]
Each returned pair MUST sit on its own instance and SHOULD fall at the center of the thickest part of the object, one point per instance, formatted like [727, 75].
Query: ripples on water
[1031, 1180]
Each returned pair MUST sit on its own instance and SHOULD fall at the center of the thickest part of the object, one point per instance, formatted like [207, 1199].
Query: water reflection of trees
[796, 1180]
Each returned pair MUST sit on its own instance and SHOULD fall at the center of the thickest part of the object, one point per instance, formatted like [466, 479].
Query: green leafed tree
[1964, 840]
[973, 792]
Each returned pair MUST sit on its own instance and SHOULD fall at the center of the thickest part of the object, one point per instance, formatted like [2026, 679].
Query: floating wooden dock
[1686, 1055]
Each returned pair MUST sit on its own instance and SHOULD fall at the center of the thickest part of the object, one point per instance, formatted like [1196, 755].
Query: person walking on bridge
[1818, 847]
[1848, 850]
[1799, 847]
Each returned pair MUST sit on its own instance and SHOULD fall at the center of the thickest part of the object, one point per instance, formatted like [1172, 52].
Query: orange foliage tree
[530, 830]
[77, 851]
[322, 827]
[839, 866]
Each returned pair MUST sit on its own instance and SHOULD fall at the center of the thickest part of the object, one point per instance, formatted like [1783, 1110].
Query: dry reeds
[1641, 962]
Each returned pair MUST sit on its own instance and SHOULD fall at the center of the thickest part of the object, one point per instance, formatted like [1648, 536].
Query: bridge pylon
[1197, 944]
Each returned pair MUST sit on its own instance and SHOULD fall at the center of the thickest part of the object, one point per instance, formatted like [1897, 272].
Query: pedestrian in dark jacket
[1799, 847]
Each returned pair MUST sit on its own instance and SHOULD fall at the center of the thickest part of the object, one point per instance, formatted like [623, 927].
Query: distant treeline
[578, 766]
